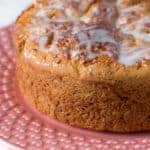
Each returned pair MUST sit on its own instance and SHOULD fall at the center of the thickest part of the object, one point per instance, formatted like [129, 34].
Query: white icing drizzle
[137, 31]
[126, 13]
[136, 54]
[86, 34]
[131, 21]
[70, 24]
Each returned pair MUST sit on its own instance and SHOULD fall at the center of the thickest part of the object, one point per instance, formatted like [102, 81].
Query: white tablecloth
[6, 146]
[10, 9]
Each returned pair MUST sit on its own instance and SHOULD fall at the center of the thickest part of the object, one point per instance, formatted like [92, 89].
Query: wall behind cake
[11, 9]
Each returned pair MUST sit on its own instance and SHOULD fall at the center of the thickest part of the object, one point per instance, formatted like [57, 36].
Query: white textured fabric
[10, 9]
[6, 146]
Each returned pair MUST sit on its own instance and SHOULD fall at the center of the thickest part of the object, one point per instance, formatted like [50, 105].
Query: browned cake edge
[121, 105]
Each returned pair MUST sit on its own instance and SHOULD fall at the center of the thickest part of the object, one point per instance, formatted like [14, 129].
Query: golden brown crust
[134, 2]
[101, 94]
[119, 101]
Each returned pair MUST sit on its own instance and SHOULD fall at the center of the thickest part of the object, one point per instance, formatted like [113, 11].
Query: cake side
[120, 103]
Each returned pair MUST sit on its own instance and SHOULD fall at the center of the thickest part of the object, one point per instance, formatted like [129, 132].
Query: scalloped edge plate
[25, 127]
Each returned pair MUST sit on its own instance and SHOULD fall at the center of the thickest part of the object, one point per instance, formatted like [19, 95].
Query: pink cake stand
[26, 128]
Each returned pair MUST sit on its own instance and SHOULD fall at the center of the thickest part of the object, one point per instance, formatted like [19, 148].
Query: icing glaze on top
[88, 29]
[64, 28]
[134, 25]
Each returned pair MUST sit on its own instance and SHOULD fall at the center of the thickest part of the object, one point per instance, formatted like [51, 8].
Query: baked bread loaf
[87, 63]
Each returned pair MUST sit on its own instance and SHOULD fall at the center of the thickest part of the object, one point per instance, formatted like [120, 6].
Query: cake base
[104, 106]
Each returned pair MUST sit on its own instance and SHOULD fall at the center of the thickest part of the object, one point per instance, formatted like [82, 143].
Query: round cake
[87, 63]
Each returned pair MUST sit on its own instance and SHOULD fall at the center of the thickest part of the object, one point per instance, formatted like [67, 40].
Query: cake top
[87, 29]
[134, 25]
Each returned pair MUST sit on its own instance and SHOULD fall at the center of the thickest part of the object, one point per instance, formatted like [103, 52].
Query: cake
[87, 63]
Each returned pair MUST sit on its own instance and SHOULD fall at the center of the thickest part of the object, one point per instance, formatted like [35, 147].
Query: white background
[10, 9]
[5, 146]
